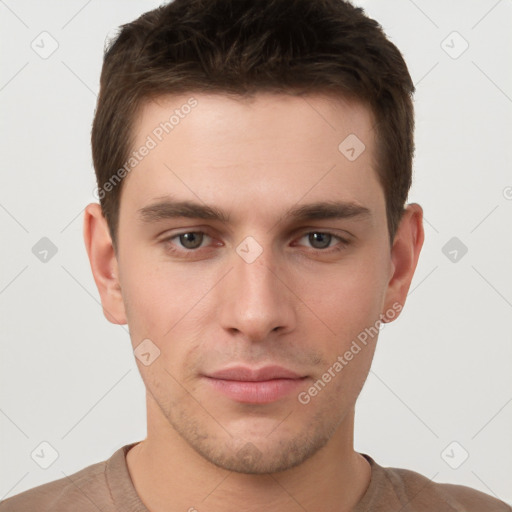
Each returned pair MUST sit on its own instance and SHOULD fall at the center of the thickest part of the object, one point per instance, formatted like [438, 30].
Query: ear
[405, 252]
[100, 250]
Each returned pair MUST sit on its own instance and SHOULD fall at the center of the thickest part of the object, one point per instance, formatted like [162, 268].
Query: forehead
[263, 114]
[269, 149]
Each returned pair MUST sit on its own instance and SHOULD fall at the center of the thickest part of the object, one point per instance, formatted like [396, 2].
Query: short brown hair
[241, 47]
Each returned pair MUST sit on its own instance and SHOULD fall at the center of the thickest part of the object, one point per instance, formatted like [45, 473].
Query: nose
[255, 298]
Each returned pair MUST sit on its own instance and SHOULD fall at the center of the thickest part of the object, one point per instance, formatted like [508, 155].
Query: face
[249, 238]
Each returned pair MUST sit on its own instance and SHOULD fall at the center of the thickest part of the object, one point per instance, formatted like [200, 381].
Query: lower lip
[260, 392]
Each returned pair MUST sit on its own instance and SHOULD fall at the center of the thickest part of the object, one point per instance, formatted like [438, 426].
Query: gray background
[441, 382]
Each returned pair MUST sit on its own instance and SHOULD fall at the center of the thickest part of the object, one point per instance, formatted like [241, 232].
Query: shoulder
[82, 491]
[392, 489]
[421, 493]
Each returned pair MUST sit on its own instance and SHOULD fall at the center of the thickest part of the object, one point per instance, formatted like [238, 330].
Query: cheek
[347, 298]
[144, 296]
[162, 306]
[153, 290]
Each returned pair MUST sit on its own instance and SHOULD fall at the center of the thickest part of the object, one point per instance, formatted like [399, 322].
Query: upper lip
[243, 373]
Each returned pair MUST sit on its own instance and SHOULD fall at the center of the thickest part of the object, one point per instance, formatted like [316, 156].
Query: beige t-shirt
[107, 487]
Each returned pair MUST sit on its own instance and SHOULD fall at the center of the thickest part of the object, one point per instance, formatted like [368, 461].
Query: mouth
[255, 386]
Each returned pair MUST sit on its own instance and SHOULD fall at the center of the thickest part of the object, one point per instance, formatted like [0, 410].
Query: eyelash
[190, 253]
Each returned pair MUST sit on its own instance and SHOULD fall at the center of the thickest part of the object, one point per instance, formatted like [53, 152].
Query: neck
[169, 476]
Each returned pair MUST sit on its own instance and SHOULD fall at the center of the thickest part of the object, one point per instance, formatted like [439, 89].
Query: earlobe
[104, 265]
[405, 252]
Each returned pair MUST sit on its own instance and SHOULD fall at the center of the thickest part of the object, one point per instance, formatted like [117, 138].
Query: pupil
[323, 238]
[191, 240]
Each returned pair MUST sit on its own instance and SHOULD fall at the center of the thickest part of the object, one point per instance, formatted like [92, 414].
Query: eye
[321, 240]
[188, 243]
[189, 240]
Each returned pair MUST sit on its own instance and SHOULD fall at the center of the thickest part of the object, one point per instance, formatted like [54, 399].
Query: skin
[297, 305]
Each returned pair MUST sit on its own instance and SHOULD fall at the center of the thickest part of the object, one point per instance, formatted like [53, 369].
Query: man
[253, 162]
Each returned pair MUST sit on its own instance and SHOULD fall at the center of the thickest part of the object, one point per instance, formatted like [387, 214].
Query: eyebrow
[166, 208]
